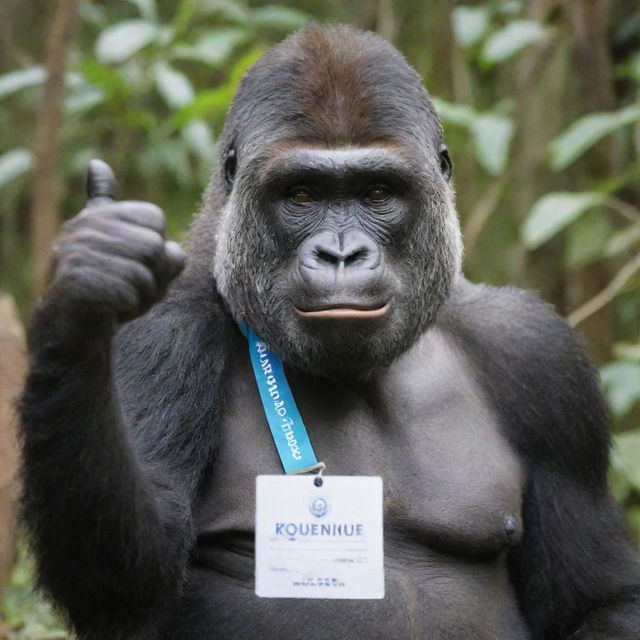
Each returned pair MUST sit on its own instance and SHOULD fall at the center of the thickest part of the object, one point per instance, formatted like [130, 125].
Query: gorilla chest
[452, 484]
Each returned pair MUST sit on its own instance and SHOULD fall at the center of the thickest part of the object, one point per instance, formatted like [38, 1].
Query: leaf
[208, 104]
[15, 81]
[198, 137]
[242, 64]
[621, 383]
[491, 137]
[587, 239]
[553, 212]
[232, 10]
[470, 24]
[277, 17]
[122, 40]
[214, 48]
[451, 113]
[625, 456]
[147, 8]
[623, 240]
[173, 85]
[83, 99]
[510, 40]
[13, 164]
[585, 132]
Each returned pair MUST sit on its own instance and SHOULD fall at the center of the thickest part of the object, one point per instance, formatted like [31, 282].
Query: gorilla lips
[345, 312]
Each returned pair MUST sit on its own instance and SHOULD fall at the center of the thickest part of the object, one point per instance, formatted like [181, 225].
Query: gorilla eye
[446, 166]
[378, 194]
[300, 195]
[230, 167]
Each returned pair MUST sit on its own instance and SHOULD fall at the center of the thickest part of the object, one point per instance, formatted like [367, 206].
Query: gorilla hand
[111, 262]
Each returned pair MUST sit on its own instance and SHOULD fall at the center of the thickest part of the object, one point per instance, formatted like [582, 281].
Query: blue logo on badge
[319, 507]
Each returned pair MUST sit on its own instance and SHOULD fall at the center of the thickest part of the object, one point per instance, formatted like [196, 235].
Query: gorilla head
[332, 216]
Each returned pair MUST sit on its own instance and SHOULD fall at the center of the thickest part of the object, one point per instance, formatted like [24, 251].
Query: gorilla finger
[101, 183]
[125, 269]
[121, 238]
[90, 286]
[144, 214]
[174, 259]
[124, 242]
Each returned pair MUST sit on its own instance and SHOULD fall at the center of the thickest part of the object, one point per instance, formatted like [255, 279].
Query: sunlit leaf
[13, 164]
[451, 113]
[198, 137]
[83, 99]
[491, 138]
[147, 8]
[511, 39]
[470, 24]
[623, 240]
[173, 85]
[585, 132]
[15, 81]
[553, 212]
[277, 17]
[213, 48]
[122, 40]
[621, 383]
[233, 10]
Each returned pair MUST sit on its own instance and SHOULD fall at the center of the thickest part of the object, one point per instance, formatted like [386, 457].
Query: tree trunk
[46, 193]
[592, 70]
[12, 357]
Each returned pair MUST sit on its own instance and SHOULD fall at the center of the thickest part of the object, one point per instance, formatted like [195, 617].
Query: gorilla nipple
[511, 528]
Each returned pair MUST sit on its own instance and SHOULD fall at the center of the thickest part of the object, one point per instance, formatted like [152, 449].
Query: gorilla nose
[337, 251]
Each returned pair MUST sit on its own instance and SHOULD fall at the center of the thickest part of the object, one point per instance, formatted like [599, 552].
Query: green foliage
[470, 24]
[621, 382]
[13, 164]
[119, 42]
[510, 40]
[24, 614]
[585, 132]
[15, 81]
[491, 133]
[553, 212]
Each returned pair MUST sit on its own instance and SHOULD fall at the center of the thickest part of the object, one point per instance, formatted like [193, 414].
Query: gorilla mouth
[345, 312]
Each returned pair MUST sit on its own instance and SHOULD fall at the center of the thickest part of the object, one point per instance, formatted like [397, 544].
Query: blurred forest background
[540, 100]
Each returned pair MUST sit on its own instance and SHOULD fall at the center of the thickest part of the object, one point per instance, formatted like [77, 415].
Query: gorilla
[329, 229]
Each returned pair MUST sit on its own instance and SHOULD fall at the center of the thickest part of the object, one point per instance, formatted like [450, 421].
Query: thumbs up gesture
[112, 258]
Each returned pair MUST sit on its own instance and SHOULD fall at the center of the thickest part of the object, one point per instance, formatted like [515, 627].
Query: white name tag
[319, 542]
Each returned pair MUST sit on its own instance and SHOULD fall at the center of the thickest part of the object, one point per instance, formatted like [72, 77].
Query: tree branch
[45, 192]
[607, 294]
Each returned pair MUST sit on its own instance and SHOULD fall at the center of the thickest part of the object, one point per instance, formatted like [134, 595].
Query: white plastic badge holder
[319, 541]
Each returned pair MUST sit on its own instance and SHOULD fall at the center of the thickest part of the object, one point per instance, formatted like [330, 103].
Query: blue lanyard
[285, 422]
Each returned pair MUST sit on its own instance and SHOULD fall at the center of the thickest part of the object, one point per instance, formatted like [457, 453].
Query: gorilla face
[337, 249]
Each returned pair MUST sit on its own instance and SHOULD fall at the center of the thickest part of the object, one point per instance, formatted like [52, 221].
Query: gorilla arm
[111, 539]
[575, 570]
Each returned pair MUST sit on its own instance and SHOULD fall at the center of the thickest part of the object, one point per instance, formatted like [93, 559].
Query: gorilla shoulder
[535, 371]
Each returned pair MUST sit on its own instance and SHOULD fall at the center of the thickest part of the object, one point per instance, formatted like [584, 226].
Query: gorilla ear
[446, 166]
[230, 163]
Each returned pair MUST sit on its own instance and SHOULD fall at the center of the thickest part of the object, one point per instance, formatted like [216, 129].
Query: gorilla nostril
[325, 256]
[356, 256]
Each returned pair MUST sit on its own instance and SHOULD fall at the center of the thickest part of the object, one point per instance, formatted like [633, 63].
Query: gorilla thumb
[101, 183]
